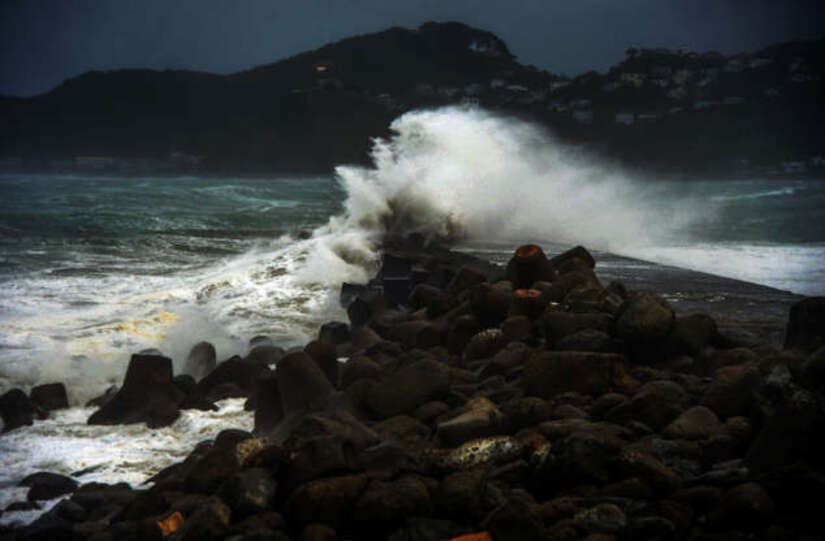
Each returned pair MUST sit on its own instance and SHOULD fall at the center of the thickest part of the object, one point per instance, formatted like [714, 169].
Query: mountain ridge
[319, 108]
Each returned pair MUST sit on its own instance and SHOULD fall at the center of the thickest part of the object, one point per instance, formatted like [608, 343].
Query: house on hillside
[632, 79]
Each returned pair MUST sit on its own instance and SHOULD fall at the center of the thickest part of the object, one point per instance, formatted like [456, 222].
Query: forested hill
[658, 109]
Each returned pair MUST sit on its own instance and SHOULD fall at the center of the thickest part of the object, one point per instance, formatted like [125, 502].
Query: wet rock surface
[480, 403]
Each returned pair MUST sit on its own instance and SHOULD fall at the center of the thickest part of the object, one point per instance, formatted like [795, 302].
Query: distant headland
[659, 110]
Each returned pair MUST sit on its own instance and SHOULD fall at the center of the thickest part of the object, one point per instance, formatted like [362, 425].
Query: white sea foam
[65, 444]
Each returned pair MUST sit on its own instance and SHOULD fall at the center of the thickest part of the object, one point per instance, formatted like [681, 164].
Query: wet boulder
[265, 355]
[200, 361]
[334, 332]
[550, 373]
[655, 404]
[47, 486]
[466, 277]
[16, 409]
[644, 318]
[242, 373]
[697, 422]
[579, 253]
[478, 418]
[268, 408]
[248, 491]
[384, 504]
[411, 386]
[107, 395]
[416, 334]
[691, 334]
[302, 384]
[490, 303]
[328, 501]
[49, 397]
[148, 395]
[560, 325]
[806, 325]
[528, 266]
[325, 356]
[436, 301]
[731, 391]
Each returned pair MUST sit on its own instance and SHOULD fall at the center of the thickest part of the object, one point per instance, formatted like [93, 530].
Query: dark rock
[634, 463]
[528, 302]
[465, 278]
[210, 521]
[644, 318]
[328, 501]
[396, 289]
[479, 418]
[655, 404]
[514, 520]
[265, 355]
[185, 383]
[404, 430]
[426, 413]
[528, 266]
[359, 367]
[603, 518]
[387, 503]
[241, 372]
[416, 334]
[325, 355]
[650, 527]
[366, 306]
[587, 340]
[490, 303]
[812, 374]
[248, 492]
[690, 334]
[517, 329]
[558, 325]
[526, 412]
[387, 460]
[23, 506]
[210, 471]
[806, 325]
[554, 372]
[578, 252]
[364, 338]
[408, 388]
[301, 383]
[508, 359]
[16, 410]
[697, 422]
[484, 344]
[461, 332]
[49, 397]
[460, 496]
[269, 410]
[47, 486]
[147, 395]
[318, 532]
[747, 506]
[436, 301]
[427, 529]
[200, 361]
[731, 391]
[104, 398]
[334, 332]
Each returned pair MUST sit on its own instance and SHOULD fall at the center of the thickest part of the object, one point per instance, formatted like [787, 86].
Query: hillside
[660, 110]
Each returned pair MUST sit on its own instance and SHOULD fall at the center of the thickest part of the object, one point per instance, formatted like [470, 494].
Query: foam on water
[65, 444]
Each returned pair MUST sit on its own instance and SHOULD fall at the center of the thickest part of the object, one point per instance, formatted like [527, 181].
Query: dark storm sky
[42, 42]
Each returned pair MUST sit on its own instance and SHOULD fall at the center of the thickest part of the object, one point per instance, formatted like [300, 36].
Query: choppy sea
[94, 267]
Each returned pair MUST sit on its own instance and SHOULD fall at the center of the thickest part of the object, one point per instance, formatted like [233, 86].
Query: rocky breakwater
[529, 402]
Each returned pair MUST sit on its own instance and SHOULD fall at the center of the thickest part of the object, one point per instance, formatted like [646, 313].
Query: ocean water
[94, 268]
